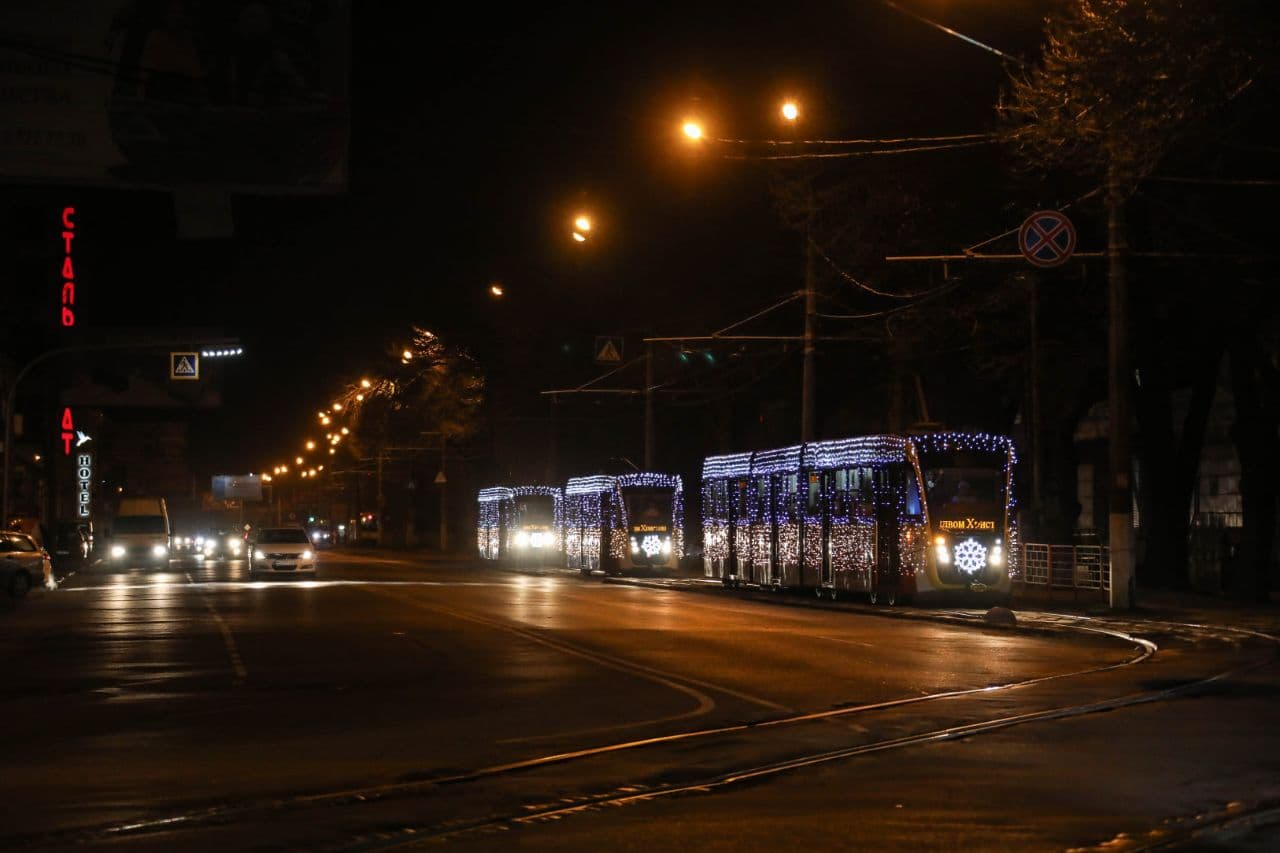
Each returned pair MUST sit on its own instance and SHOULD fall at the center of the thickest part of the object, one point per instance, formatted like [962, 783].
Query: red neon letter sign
[68, 314]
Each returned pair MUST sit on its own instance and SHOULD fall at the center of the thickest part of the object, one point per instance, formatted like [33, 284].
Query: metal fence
[1075, 568]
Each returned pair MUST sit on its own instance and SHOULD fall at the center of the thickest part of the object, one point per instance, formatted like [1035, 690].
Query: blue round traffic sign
[1047, 238]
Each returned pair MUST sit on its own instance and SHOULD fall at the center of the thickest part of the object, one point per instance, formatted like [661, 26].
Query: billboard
[237, 487]
[156, 94]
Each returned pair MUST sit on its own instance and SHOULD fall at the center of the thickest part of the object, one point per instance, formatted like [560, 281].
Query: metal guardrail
[1067, 567]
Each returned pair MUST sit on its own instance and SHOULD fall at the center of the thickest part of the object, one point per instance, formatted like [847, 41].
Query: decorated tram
[627, 523]
[521, 524]
[890, 517]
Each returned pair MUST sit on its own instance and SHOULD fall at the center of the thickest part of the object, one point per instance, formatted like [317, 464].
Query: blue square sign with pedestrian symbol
[184, 365]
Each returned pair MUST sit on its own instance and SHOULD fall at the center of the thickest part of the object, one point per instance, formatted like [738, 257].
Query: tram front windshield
[965, 492]
[649, 508]
[535, 510]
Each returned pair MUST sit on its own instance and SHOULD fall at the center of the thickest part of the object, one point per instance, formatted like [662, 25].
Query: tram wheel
[872, 596]
[891, 598]
[832, 592]
[819, 591]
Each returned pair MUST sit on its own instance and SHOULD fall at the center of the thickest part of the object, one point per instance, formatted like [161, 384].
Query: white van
[139, 534]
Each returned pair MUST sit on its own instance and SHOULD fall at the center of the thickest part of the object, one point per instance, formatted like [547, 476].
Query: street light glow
[579, 237]
[582, 223]
[692, 130]
[496, 290]
[790, 111]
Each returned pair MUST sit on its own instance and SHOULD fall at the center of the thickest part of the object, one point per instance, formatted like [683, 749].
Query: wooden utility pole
[1120, 501]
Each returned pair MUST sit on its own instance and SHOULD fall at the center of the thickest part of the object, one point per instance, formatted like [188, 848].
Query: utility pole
[1033, 318]
[1120, 505]
[444, 486]
[809, 379]
[649, 432]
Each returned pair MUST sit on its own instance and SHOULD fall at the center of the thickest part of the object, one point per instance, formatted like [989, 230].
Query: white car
[281, 550]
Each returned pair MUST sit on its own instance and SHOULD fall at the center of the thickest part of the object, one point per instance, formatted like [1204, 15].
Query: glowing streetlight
[496, 291]
[582, 223]
[692, 130]
[578, 237]
[790, 111]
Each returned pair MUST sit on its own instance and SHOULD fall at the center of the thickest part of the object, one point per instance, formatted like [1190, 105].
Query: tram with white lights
[624, 524]
[521, 524]
[888, 517]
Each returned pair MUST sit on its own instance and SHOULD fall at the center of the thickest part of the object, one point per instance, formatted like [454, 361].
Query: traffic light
[311, 519]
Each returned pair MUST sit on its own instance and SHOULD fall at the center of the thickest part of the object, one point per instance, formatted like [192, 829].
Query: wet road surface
[394, 700]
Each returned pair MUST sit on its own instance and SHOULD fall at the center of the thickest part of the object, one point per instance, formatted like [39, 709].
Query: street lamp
[495, 290]
[790, 111]
[692, 130]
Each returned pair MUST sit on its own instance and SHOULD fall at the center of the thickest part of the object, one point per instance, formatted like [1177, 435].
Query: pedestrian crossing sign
[608, 350]
[184, 365]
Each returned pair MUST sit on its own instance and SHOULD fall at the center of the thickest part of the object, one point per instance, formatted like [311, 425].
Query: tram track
[639, 792]
[424, 784]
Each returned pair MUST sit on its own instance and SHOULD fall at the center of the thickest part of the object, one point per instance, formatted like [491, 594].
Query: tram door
[823, 507]
[888, 493]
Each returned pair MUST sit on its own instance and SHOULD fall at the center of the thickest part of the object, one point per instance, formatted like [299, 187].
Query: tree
[1120, 83]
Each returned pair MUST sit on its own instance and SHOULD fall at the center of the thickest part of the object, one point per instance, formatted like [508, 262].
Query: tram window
[815, 493]
[742, 498]
[837, 485]
[912, 507]
[762, 497]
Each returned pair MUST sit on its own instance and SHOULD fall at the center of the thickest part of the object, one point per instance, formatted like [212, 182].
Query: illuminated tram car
[627, 523]
[889, 517]
[521, 524]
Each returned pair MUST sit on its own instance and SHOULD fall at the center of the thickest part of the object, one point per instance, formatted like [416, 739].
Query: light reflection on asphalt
[165, 583]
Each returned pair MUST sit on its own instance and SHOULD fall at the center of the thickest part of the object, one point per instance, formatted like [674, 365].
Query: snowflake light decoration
[970, 556]
[651, 546]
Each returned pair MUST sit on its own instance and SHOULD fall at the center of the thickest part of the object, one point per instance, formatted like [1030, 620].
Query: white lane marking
[233, 651]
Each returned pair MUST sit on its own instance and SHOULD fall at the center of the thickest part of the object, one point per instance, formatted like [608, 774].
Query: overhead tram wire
[868, 288]
[875, 152]
[902, 140]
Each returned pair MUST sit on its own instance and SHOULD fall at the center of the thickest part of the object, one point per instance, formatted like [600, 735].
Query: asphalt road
[395, 702]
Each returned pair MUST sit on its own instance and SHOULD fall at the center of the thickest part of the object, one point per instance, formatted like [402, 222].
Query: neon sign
[84, 476]
[68, 315]
[68, 431]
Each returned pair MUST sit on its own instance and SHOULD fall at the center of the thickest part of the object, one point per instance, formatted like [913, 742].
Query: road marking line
[233, 651]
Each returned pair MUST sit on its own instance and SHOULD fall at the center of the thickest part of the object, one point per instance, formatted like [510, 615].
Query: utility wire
[960, 137]
[790, 298]
[869, 153]
[973, 41]
[868, 288]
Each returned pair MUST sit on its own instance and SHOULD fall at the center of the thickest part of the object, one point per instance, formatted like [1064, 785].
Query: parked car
[23, 563]
[282, 549]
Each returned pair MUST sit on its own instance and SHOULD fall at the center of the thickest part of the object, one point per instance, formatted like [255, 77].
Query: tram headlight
[117, 552]
[635, 546]
[159, 551]
[522, 539]
[940, 551]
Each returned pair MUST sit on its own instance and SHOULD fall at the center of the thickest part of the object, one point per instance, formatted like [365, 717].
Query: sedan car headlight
[159, 550]
[307, 555]
[522, 539]
[117, 551]
[258, 555]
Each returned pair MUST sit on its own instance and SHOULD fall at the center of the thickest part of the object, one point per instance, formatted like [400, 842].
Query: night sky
[475, 138]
